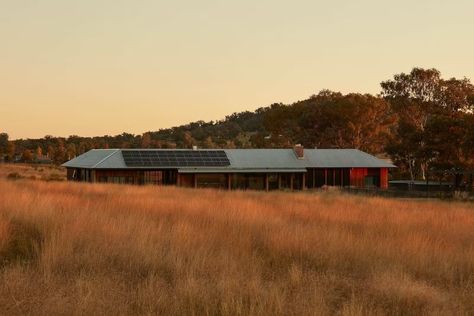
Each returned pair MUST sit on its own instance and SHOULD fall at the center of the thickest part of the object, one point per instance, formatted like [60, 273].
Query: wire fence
[394, 193]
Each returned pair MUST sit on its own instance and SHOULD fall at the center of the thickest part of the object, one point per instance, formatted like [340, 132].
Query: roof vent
[299, 151]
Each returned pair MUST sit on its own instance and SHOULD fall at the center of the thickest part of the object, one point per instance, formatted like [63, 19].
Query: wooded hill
[422, 121]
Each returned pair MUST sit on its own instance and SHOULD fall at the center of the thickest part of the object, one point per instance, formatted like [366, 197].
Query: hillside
[69, 248]
[423, 122]
[327, 120]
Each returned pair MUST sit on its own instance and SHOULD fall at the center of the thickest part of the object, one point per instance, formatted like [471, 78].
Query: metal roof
[264, 158]
[338, 158]
[246, 160]
[241, 170]
[96, 158]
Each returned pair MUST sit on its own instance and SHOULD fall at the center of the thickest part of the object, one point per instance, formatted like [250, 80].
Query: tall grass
[106, 249]
[15, 171]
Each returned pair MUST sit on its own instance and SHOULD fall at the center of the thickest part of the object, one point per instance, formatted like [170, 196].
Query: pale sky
[96, 67]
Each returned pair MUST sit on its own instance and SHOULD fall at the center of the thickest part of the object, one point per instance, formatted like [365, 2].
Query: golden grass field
[81, 249]
[32, 172]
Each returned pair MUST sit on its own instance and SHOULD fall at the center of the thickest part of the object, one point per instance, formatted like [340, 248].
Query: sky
[103, 67]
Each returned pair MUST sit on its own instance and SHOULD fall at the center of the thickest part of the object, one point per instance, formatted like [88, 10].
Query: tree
[27, 156]
[39, 152]
[188, 140]
[243, 141]
[351, 121]
[3, 143]
[209, 143]
[11, 151]
[60, 154]
[51, 152]
[146, 140]
[71, 151]
[426, 105]
[403, 148]
[331, 120]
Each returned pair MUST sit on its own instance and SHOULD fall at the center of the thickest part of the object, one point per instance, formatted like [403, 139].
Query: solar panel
[175, 158]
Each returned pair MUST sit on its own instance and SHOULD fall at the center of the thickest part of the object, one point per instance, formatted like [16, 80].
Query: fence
[408, 193]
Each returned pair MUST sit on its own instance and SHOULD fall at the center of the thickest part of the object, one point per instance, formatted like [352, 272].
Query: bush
[54, 177]
[14, 176]
[23, 244]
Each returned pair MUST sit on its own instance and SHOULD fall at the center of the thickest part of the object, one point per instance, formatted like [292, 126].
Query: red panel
[358, 177]
[384, 178]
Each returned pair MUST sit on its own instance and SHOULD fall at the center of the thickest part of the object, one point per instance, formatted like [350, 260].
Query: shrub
[23, 244]
[53, 177]
[14, 176]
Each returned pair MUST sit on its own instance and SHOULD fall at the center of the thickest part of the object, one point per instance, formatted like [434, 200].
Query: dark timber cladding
[255, 169]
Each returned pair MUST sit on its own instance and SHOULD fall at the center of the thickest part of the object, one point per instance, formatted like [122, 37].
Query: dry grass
[106, 249]
[32, 172]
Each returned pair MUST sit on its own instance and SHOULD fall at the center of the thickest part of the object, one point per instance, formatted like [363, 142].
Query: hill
[423, 122]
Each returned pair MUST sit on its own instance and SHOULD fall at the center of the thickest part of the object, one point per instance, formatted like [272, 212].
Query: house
[259, 169]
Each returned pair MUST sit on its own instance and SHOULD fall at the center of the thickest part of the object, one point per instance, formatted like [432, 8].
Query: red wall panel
[384, 178]
[358, 177]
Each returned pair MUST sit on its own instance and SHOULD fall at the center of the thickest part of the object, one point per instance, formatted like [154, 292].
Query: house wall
[384, 178]
[358, 177]
[154, 176]
[80, 174]
[344, 177]
[186, 180]
[243, 181]
[361, 177]
[119, 176]
[70, 174]
[313, 178]
[318, 177]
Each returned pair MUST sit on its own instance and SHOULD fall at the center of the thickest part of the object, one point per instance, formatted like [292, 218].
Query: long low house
[258, 169]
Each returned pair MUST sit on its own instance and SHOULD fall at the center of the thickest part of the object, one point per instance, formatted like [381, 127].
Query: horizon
[104, 68]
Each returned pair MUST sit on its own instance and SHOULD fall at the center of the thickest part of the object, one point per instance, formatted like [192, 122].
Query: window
[211, 180]
[256, 181]
[298, 181]
[330, 176]
[372, 181]
[239, 181]
[320, 178]
[152, 177]
[273, 181]
[286, 180]
[346, 177]
[337, 177]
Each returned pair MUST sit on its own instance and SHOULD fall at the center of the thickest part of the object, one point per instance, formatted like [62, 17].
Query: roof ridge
[105, 158]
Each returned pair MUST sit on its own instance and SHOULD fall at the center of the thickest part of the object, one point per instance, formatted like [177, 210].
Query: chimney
[299, 151]
[195, 147]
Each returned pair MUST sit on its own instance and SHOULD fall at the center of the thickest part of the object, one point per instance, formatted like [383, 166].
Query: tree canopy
[421, 120]
[434, 117]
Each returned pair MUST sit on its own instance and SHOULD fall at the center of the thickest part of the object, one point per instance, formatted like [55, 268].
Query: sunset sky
[96, 67]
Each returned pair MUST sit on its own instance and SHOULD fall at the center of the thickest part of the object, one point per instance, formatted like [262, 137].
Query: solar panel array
[175, 158]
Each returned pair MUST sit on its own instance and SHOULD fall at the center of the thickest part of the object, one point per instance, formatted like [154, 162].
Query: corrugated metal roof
[234, 170]
[338, 158]
[248, 160]
[92, 158]
[264, 158]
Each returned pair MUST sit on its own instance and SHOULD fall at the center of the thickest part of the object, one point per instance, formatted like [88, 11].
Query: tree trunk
[411, 163]
[423, 167]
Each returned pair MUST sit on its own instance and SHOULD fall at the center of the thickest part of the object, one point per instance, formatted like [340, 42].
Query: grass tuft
[22, 244]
